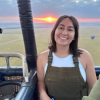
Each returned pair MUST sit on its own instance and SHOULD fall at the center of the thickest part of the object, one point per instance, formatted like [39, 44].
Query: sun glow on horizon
[46, 19]
[41, 20]
[53, 20]
[88, 20]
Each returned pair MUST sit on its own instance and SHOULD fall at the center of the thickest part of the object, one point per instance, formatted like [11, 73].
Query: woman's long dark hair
[73, 49]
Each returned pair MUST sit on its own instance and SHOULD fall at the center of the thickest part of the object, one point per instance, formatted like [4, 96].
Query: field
[12, 41]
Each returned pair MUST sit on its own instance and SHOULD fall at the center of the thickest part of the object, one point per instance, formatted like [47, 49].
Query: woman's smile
[63, 38]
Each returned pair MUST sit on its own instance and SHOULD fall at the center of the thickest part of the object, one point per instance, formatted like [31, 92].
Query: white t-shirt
[65, 62]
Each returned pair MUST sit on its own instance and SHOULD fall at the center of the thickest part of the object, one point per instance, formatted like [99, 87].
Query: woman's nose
[65, 32]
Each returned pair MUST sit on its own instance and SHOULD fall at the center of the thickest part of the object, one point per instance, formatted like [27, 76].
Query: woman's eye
[70, 30]
[61, 28]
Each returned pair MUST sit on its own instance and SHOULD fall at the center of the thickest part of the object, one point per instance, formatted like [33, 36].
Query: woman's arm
[40, 73]
[90, 71]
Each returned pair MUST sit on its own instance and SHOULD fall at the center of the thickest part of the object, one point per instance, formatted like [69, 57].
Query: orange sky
[88, 20]
[52, 19]
[43, 20]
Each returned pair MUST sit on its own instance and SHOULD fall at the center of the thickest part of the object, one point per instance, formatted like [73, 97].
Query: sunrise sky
[49, 10]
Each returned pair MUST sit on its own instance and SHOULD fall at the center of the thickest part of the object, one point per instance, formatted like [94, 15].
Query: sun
[50, 19]
[46, 19]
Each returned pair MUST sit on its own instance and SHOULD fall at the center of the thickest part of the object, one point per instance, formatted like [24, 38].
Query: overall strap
[76, 62]
[50, 58]
[49, 64]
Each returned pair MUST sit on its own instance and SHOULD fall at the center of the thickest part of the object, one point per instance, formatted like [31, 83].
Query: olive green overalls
[64, 83]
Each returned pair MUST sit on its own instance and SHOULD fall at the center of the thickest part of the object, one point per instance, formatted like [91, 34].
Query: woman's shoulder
[84, 53]
[85, 58]
[42, 59]
[43, 55]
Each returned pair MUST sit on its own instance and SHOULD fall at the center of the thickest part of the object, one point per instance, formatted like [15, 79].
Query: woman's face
[64, 33]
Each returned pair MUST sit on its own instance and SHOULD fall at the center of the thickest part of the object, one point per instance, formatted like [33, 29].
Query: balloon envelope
[92, 36]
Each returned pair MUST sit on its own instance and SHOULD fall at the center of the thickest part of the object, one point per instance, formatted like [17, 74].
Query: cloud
[10, 2]
[80, 9]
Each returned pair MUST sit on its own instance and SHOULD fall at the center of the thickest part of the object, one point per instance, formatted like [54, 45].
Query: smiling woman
[65, 71]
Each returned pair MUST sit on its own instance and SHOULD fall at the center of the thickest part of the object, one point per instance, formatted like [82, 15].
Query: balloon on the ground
[92, 36]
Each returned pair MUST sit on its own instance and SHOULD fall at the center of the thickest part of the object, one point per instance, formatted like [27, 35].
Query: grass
[12, 41]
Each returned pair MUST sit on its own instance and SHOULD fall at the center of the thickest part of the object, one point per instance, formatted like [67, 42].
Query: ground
[12, 41]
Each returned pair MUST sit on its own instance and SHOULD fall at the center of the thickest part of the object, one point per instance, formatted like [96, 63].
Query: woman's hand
[46, 98]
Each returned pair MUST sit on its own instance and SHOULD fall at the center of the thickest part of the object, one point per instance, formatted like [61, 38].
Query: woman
[64, 69]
